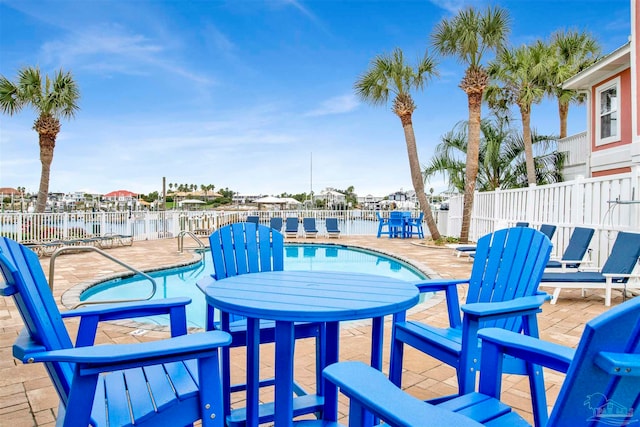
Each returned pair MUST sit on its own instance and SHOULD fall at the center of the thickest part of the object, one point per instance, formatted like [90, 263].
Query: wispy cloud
[306, 12]
[113, 49]
[452, 6]
[336, 105]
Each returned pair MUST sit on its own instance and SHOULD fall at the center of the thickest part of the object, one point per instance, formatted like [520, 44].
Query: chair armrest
[91, 316]
[439, 284]
[505, 308]
[129, 310]
[106, 358]
[530, 349]
[620, 276]
[619, 364]
[370, 389]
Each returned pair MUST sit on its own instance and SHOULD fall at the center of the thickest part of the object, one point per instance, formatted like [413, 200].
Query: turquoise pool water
[181, 281]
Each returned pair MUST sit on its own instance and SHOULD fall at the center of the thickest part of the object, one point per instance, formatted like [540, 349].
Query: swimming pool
[181, 281]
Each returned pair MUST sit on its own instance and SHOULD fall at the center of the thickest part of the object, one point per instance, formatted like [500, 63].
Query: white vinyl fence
[608, 205]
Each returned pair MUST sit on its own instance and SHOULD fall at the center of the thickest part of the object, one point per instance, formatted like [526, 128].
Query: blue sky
[242, 93]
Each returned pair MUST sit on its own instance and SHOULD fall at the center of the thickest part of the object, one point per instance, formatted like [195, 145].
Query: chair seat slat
[160, 386]
[117, 400]
[140, 400]
[181, 379]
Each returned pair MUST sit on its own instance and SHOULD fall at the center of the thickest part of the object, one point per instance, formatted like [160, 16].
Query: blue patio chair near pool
[275, 223]
[243, 248]
[576, 251]
[309, 226]
[253, 218]
[502, 292]
[415, 226]
[332, 227]
[601, 386]
[621, 271]
[383, 223]
[291, 227]
[168, 382]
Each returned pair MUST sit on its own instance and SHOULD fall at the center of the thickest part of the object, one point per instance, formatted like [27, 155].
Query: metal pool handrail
[106, 255]
[193, 236]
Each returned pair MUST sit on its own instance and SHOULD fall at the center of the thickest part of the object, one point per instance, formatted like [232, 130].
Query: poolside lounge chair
[291, 227]
[309, 226]
[548, 230]
[601, 386]
[262, 250]
[161, 382]
[332, 227]
[470, 249]
[577, 249]
[275, 223]
[502, 292]
[621, 271]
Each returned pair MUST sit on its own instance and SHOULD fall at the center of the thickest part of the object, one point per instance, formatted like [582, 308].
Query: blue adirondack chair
[291, 227]
[601, 387]
[309, 226]
[396, 224]
[382, 224]
[503, 292]
[575, 251]
[170, 382]
[616, 273]
[276, 223]
[332, 227]
[243, 248]
[415, 226]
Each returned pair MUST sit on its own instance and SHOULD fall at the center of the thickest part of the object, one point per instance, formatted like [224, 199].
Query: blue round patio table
[287, 297]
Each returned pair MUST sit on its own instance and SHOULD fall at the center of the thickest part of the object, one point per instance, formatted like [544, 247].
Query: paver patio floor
[28, 399]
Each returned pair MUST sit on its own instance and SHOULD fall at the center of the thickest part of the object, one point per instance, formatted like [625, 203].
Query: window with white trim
[608, 117]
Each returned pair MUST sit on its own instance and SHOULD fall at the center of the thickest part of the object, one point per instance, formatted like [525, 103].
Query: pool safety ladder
[63, 249]
[183, 233]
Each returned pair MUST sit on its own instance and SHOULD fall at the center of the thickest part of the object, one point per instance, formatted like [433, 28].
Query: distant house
[611, 143]
[121, 198]
[332, 198]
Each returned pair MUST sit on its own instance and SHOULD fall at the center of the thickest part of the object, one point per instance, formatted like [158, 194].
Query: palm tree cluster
[516, 76]
[501, 156]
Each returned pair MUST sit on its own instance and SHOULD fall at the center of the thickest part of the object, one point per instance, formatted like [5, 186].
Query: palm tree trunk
[47, 144]
[416, 175]
[525, 112]
[473, 150]
[563, 112]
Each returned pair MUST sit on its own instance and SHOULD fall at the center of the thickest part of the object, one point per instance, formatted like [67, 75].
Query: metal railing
[59, 251]
[183, 233]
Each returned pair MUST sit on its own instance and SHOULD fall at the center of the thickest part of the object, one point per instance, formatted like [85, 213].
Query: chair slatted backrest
[578, 244]
[243, 248]
[624, 254]
[598, 393]
[291, 225]
[508, 264]
[276, 223]
[309, 224]
[332, 224]
[26, 283]
[548, 230]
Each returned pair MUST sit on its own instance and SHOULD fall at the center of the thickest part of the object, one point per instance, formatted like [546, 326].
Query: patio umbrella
[190, 202]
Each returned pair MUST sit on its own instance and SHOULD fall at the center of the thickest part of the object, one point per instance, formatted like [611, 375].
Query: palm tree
[501, 157]
[390, 74]
[573, 52]
[468, 36]
[51, 100]
[522, 72]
